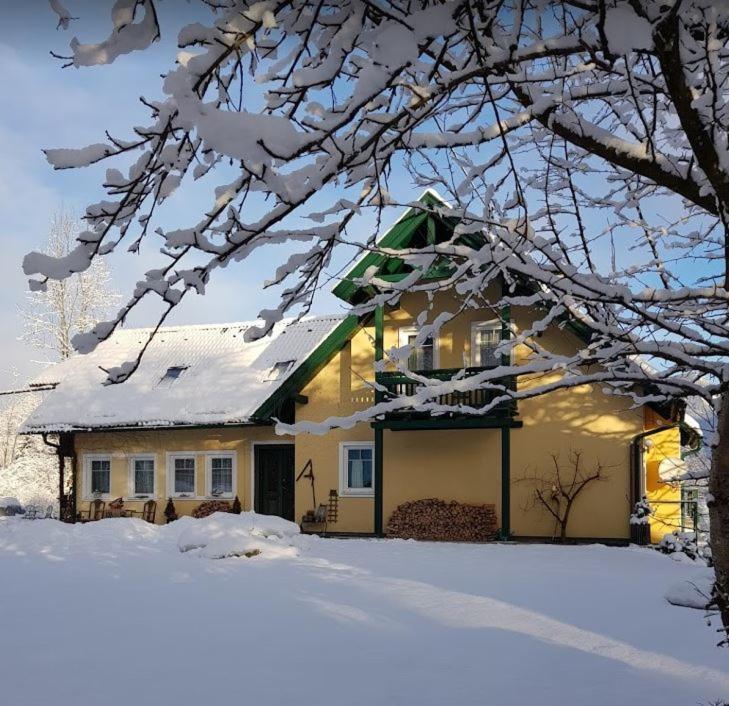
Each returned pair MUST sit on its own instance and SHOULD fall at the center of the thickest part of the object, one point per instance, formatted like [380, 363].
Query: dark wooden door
[274, 469]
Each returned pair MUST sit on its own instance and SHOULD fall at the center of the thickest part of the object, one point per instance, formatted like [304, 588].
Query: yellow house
[197, 420]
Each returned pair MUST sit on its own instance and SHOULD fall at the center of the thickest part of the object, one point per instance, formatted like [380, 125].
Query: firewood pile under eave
[437, 520]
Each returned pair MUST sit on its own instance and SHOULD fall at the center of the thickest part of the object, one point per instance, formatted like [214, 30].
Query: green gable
[417, 228]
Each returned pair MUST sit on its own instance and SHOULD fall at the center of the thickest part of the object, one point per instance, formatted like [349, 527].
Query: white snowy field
[114, 612]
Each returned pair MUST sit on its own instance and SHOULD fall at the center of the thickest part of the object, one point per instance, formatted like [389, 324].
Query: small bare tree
[557, 490]
[53, 316]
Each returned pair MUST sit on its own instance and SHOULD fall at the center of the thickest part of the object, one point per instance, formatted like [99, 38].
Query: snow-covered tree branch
[586, 142]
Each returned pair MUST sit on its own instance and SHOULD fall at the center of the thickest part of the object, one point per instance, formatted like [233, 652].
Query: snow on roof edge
[241, 394]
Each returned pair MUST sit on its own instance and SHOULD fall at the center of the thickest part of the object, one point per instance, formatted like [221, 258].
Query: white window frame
[344, 489]
[87, 459]
[405, 332]
[171, 474]
[491, 323]
[142, 457]
[209, 456]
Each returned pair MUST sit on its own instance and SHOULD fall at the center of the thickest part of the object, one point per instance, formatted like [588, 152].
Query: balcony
[399, 384]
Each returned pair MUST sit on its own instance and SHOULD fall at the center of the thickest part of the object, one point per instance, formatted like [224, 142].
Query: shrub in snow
[10, 507]
[209, 507]
[224, 534]
[237, 507]
[170, 511]
[642, 512]
[679, 542]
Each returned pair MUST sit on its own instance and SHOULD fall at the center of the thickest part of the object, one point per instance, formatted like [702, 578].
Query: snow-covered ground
[123, 612]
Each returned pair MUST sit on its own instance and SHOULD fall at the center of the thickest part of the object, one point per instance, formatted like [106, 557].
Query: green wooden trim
[379, 435]
[379, 462]
[505, 329]
[319, 357]
[435, 423]
[505, 482]
[396, 237]
[379, 333]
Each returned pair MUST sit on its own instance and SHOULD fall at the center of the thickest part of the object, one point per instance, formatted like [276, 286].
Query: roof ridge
[225, 324]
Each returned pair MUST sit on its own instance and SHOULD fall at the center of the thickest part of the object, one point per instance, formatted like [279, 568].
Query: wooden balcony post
[379, 434]
[505, 481]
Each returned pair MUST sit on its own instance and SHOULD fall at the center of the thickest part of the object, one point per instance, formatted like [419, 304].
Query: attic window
[172, 374]
[279, 370]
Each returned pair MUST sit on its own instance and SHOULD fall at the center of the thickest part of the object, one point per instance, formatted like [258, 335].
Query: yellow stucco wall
[339, 389]
[465, 465]
[663, 497]
[121, 446]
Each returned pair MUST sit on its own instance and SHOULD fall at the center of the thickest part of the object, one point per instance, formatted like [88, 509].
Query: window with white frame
[220, 475]
[182, 471]
[356, 469]
[421, 357]
[143, 476]
[485, 339]
[99, 475]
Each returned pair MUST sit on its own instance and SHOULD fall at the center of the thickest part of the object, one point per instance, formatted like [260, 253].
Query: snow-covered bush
[680, 542]
[642, 512]
[28, 468]
[10, 506]
[226, 534]
[31, 477]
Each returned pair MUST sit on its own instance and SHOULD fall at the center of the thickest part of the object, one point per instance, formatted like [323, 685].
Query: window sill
[355, 494]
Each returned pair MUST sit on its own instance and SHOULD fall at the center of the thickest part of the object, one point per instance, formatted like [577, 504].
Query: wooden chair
[96, 511]
[149, 511]
[32, 512]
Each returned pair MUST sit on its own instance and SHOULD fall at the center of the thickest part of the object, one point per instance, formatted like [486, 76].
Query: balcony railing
[399, 384]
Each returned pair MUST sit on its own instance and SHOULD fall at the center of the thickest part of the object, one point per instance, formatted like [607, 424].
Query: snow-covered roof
[189, 375]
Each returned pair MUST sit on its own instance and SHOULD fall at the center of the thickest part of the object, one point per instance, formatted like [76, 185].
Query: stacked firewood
[209, 507]
[437, 520]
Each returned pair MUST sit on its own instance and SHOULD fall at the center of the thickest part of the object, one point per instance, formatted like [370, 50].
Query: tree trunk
[719, 511]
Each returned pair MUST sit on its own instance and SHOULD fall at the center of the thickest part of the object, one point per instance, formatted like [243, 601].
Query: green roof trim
[398, 236]
[318, 358]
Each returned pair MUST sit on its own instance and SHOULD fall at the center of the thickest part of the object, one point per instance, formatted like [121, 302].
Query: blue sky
[55, 107]
[48, 106]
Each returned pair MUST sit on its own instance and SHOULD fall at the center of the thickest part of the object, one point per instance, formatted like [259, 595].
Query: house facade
[197, 420]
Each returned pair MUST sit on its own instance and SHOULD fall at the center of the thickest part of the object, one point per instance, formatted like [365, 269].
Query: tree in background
[54, 315]
[28, 469]
[586, 141]
[51, 317]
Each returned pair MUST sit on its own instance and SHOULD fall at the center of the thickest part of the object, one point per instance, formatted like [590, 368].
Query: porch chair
[149, 511]
[96, 511]
[32, 512]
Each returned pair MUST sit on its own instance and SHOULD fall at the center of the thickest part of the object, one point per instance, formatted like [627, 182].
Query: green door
[274, 479]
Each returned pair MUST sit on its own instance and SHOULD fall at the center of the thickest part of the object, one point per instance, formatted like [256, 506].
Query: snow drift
[226, 535]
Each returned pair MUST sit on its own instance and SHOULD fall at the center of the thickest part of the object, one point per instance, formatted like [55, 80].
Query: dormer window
[279, 370]
[172, 374]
